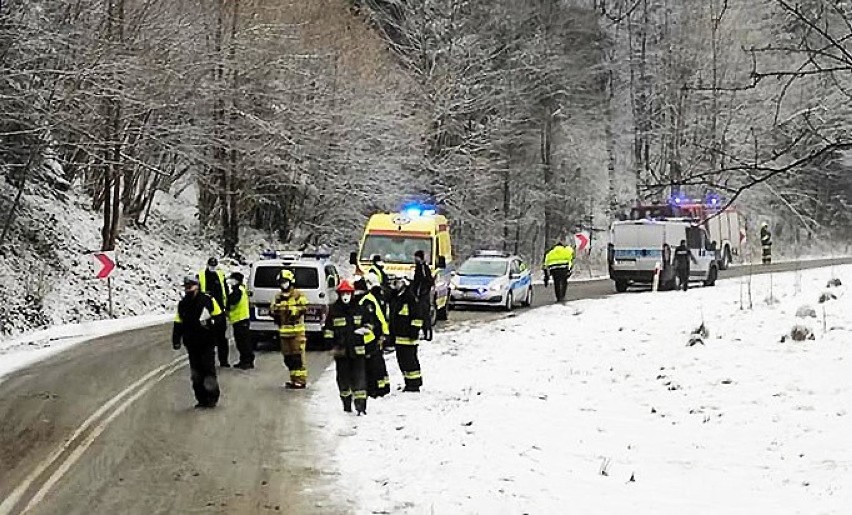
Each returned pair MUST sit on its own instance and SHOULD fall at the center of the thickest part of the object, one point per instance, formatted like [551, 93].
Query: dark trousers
[378, 382]
[245, 346]
[682, 278]
[560, 282]
[425, 304]
[352, 381]
[202, 369]
[220, 336]
[767, 254]
[409, 365]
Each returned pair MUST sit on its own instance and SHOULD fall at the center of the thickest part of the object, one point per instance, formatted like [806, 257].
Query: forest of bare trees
[522, 118]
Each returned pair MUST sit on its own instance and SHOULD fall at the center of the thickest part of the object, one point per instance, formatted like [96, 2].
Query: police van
[316, 277]
[638, 247]
[397, 236]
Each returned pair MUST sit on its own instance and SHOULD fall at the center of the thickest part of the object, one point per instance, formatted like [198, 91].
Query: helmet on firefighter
[764, 224]
[286, 275]
[345, 287]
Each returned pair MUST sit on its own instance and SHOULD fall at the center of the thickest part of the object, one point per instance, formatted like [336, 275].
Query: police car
[492, 278]
[315, 276]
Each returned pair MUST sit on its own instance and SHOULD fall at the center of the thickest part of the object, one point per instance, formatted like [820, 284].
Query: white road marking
[128, 396]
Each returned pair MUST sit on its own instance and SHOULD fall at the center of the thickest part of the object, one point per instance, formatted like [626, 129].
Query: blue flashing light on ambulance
[397, 236]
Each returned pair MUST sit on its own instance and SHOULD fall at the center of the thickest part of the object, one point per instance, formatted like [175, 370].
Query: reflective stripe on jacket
[289, 309]
[383, 326]
[559, 255]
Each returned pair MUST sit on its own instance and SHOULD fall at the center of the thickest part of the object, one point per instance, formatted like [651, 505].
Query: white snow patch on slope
[25, 350]
[554, 411]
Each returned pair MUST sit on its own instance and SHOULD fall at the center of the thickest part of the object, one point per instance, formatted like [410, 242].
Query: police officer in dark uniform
[421, 286]
[682, 257]
[195, 326]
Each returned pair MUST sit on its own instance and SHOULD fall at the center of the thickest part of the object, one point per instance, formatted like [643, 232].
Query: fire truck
[723, 224]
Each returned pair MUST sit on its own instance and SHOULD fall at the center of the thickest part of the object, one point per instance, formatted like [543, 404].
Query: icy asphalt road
[108, 427]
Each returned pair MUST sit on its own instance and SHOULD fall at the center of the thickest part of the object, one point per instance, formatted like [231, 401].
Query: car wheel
[621, 286]
[510, 302]
[711, 278]
[529, 300]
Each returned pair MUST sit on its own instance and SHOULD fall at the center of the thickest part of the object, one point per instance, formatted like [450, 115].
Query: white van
[315, 276]
[636, 249]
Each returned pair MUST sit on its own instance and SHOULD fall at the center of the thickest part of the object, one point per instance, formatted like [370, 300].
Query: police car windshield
[485, 267]
[267, 276]
[395, 249]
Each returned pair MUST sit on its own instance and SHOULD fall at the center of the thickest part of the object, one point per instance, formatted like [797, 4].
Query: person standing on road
[558, 264]
[378, 382]
[348, 338]
[238, 316]
[422, 287]
[288, 310]
[766, 243]
[195, 326]
[377, 268]
[406, 323]
[682, 257]
[212, 282]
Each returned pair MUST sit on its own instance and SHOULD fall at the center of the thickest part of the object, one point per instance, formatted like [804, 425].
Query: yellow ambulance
[397, 236]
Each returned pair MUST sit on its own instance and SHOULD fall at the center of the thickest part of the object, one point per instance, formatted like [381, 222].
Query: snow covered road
[600, 406]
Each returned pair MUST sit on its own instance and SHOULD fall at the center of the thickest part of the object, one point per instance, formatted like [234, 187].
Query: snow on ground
[25, 350]
[599, 406]
[47, 273]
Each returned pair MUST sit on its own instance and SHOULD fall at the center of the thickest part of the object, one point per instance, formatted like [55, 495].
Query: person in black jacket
[421, 286]
[682, 257]
[195, 326]
[212, 282]
[405, 325]
[347, 336]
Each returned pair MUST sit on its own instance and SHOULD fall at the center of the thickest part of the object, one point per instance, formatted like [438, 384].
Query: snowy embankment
[601, 406]
[48, 276]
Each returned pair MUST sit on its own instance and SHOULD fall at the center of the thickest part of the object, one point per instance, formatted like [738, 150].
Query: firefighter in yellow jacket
[288, 309]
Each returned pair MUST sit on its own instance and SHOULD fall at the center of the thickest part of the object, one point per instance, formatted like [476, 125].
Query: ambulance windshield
[396, 249]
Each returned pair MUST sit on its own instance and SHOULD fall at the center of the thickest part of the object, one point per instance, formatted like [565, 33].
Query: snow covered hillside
[602, 406]
[47, 274]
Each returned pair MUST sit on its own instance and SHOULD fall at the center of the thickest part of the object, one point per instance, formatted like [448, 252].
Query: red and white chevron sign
[104, 263]
[581, 239]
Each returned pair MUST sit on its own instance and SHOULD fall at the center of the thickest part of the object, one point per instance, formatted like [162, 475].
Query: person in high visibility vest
[288, 310]
[238, 316]
[766, 243]
[378, 382]
[558, 264]
[211, 281]
[348, 336]
[194, 327]
[406, 323]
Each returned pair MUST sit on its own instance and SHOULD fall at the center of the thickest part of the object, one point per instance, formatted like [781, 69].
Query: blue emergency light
[416, 210]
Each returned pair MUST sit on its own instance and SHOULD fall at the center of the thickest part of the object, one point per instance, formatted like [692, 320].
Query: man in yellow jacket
[288, 309]
[558, 264]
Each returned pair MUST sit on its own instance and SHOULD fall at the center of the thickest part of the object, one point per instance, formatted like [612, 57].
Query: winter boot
[290, 385]
[347, 404]
[361, 406]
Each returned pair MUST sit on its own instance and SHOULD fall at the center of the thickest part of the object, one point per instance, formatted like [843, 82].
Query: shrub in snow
[827, 296]
[834, 282]
[806, 311]
[800, 333]
[694, 339]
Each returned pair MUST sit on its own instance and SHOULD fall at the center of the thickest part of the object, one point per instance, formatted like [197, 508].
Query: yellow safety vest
[291, 308]
[239, 312]
[558, 256]
[379, 313]
[202, 283]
